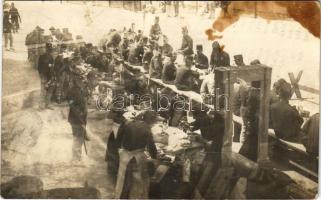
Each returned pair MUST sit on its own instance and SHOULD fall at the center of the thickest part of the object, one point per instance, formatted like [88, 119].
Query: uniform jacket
[77, 97]
[285, 120]
[184, 79]
[156, 67]
[167, 49]
[7, 26]
[14, 13]
[59, 66]
[169, 73]
[43, 65]
[187, 45]
[220, 59]
[201, 61]
[155, 30]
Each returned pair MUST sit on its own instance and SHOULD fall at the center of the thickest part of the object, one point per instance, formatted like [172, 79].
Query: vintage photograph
[160, 99]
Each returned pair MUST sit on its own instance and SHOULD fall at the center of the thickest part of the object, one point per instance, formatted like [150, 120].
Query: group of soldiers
[11, 19]
[63, 74]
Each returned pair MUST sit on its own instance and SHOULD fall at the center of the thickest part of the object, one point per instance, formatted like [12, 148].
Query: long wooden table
[197, 97]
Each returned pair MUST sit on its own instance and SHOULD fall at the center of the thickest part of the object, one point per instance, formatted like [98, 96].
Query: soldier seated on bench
[184, 75]
[285, 119]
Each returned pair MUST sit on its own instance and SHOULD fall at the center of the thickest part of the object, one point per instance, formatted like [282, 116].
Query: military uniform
[15, 17]
[187, 45]
[60, 74]
[7, 28]
[220, 59]
[45, 65]
[286, 120]
[201, 61]
[133, 177]
[155, 31]
[169, 73]
[78, 97]
[156, 67]
[184, 79]
[167, 49]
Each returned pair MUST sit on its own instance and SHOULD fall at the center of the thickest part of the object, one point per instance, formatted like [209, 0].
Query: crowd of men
[62, 80]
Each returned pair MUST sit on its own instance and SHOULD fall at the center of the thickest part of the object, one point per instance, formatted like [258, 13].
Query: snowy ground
[43, 147]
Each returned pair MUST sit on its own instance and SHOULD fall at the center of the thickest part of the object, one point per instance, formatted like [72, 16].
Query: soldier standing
[187, 43]
[155, 30]
[15, 18]
[45, 65]
[219, 58]
[78, 100]
[7, 30]
[60, 73]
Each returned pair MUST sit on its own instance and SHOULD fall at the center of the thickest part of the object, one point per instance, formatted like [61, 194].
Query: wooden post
[229, 78]
[264, 116]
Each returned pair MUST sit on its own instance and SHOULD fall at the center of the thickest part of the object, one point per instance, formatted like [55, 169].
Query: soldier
[238, 59]
[167, 49]
[155, 30]
[147, 57]
[156, 65]
[187, 43]
[45, 65]
[139, 36]
[60, 73]
[201, 60]
[169, 70]
[15, 18]
[78, 100]
[133, 177]
[7, 30]
[184, 75]
[53, 34]
[132, 58]
[219, 58]
[285, 119]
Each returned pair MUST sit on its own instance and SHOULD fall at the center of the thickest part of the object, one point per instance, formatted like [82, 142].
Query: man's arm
[151, 147]
[203, 90]
[19, 16]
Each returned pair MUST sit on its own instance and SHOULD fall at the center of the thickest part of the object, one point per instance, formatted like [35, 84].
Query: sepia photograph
[160, 99]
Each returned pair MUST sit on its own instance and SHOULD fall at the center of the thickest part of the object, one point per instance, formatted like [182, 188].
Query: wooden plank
[291, 145]
[309, 89]
[315, 175]
[295, 85]
[264, 116]
[229, 79]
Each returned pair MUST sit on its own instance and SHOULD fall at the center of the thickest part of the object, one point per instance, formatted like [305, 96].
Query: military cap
[199, 47]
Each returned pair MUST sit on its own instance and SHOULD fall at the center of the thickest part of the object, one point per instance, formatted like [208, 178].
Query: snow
[39, 143]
